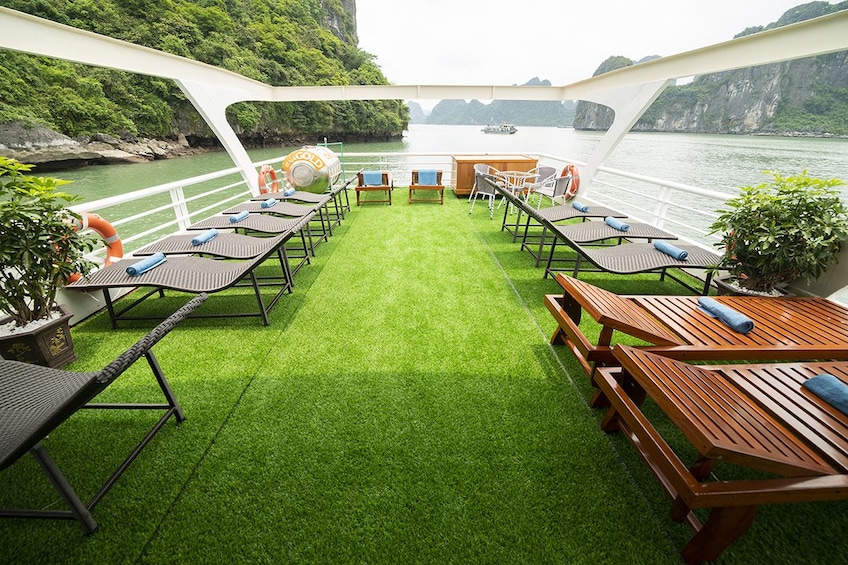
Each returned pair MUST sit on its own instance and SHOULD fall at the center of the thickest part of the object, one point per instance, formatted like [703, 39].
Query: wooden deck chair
[35, 400]
[754, 416]
[788, 328]
[429, 181]
[374, 181]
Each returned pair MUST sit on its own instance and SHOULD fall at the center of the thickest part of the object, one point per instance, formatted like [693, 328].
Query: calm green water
[718, 162]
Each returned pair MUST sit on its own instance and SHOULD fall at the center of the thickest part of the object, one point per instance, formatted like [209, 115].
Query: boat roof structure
[629, 91]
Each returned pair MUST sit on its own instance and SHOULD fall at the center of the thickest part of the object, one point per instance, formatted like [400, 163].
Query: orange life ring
[266, 172]
[574, 185]
[114, 246]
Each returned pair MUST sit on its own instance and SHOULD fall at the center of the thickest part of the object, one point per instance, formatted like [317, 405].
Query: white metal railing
[151, 213]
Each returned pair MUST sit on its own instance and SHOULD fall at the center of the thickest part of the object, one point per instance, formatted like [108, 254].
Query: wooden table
[463, 168]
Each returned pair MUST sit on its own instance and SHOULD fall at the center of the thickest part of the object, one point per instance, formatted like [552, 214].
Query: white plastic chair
[553, 189]
[482, 188]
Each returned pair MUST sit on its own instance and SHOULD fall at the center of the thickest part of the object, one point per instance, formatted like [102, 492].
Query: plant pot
[49, 345]
[727, 287]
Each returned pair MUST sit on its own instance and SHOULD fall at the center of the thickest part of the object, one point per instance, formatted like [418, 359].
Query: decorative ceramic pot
[49, 344]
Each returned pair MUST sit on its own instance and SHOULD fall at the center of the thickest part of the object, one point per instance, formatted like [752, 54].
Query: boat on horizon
[502, 129]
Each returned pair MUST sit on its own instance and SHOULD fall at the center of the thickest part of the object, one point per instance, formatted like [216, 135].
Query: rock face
[52, 151]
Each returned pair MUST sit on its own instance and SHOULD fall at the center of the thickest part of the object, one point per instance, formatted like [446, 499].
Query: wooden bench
[785, 328]
[754, 416]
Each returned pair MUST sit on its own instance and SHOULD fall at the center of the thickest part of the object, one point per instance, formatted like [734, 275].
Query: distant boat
[503, 128]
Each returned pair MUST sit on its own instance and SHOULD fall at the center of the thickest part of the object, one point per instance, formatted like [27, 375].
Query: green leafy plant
[39, 244]
[781, 230]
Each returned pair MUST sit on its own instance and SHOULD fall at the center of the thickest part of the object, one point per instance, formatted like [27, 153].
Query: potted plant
[781, 230]
[39, 249]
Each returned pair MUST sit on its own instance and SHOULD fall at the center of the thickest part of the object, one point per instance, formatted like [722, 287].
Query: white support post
[212, 101]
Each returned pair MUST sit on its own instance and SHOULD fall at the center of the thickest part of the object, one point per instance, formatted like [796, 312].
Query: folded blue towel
[240, 216]
[146, 264]
[736, 320]
[372, 178]
[830, 389]
[578, 206]
[268, 203]
[427, 177]
[616, 223]
[288, 192]
[672, 250]
[204, 237]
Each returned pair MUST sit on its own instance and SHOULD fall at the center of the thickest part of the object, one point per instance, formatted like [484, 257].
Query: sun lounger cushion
[372, 178]
[427, 177]
[145, 264]
[736, 320]
[830, 389]
[672, 250]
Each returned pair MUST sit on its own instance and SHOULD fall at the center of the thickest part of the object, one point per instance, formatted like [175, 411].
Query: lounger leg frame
[77, 510]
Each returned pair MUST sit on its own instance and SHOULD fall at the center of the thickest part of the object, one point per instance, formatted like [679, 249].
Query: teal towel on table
[830, 389]
[616, 223]
[671, 250]
[736, 320]
[146, 264]
[578, 206]
[204, 237]
[372, 178]
[268, 203]
[427, 177]
[239, 217]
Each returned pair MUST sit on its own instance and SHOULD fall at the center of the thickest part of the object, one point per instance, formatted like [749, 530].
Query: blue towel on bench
[288, 192]
[671, 250]
[204, 237]
[239, 217]
[830, 389]
[146, 264]
[615, 223]
[578, 206]
[372, 178]
[736, 320]
[427, 177]
[268, 203]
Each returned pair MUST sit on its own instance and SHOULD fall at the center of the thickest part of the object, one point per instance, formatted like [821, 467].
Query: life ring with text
[268, 180]
[107, 232]
[574, 185]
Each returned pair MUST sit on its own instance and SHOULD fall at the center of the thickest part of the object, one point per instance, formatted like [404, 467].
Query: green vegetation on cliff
[279, 42]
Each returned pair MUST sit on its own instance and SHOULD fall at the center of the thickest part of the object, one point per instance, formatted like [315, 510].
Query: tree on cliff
[279, 42]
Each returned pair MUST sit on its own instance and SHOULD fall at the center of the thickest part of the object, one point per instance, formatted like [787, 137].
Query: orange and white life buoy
[114, 246]
[268, 180]
[574, 185]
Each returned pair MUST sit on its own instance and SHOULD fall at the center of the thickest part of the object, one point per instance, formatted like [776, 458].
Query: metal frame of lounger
[184, 274]
[636, 258]
[264, 224]
[596, 233]
[37, 400]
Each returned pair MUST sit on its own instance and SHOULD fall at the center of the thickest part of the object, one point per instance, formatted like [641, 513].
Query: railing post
[180, 208]
[661, 207]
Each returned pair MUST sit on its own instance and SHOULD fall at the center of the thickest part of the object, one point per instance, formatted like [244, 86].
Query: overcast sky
[502, 42]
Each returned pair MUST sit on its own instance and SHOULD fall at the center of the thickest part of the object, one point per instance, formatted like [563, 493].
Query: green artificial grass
[404, 406]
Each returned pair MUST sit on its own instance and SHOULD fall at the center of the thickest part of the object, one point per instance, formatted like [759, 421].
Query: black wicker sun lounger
[36, 400]
[188, 274]
[633, 258]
